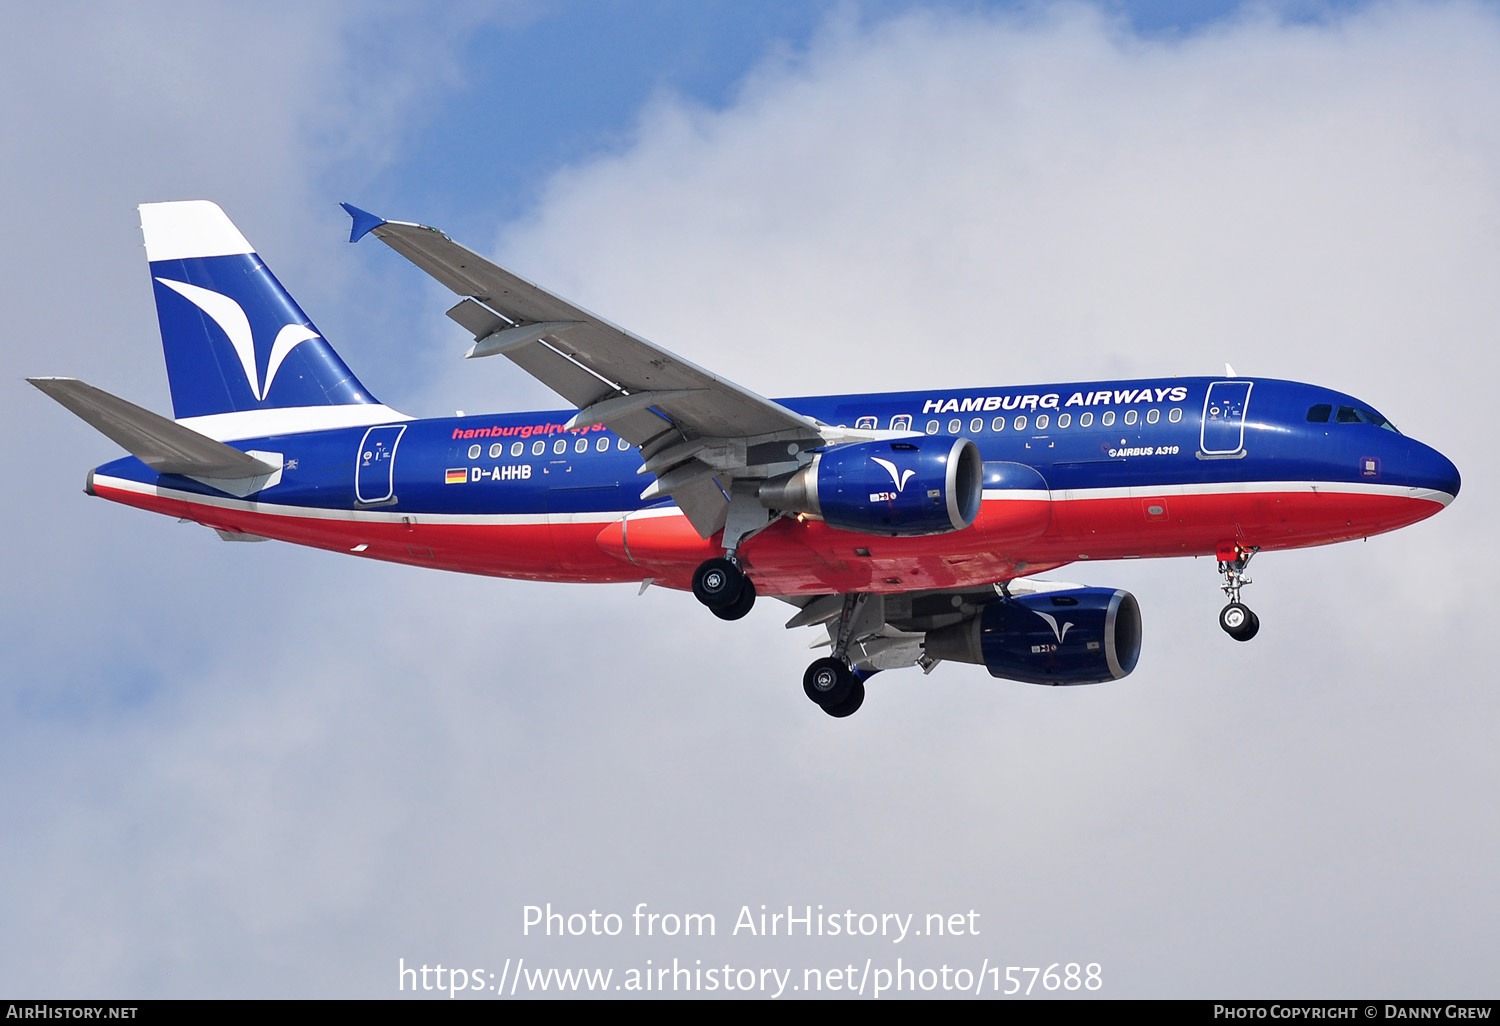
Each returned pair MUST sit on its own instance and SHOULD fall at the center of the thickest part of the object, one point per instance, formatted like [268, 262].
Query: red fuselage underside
[1011, 538]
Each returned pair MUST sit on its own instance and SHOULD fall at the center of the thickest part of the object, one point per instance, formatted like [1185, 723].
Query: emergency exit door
[375, 466]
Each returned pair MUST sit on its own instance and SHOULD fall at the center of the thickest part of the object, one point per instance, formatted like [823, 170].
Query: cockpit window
[1319, 413]
[1360, 415]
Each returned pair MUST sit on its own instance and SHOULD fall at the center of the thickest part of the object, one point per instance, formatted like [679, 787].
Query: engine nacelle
[1074, 636]
[927, 484]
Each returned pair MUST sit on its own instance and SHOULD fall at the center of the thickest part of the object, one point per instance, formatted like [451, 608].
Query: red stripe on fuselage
[1012, 537]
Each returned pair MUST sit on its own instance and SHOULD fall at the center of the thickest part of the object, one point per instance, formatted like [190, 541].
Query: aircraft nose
[1429, 468]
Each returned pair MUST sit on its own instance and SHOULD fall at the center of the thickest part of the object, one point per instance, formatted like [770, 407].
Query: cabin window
[901, 423]
[1020, 423]
[865, 423]
[932, 427]
[955, 426]
[976, 425]
[1131, 417]
[1175, 416]
[560, 446]
[582, 445]
[602, 445]
[1042, 420]
[1064, 420]
[537, 448]
[622, 445]
[473, 452]
[998, 424]
[517, 448]
[1152, 416]
[1085, 419]
[1108, 418]
[496, 450]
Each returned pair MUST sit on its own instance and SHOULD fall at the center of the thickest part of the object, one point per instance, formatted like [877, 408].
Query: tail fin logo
[231, 319]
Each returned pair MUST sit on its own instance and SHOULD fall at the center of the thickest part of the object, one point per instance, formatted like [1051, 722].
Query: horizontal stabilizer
[163, 445]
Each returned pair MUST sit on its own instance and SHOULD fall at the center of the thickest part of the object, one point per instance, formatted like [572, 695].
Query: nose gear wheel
[1236, 619]
[1239, 622]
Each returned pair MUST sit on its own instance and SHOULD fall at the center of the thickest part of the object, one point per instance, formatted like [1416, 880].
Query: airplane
[910, 526]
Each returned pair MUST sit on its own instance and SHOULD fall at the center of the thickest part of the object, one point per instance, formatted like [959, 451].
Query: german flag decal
[458, 476]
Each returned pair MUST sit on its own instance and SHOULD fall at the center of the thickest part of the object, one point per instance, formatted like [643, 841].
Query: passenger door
[1223, 433]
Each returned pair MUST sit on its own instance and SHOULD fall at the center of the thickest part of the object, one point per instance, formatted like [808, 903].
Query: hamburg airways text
[1054, 400]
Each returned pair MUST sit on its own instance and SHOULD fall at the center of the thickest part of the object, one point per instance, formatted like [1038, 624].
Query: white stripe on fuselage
[1242, 488]
[610, 516]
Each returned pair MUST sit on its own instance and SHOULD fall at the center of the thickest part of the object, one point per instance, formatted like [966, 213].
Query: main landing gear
[1236, 618]
[835, 686]
[832, 682]
[722, 586]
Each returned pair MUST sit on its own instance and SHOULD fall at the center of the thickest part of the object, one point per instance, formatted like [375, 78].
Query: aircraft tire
[828, 682]
[850, 705]
[1239, 622]
[717, 583]
[1251, 629]
[740, 606]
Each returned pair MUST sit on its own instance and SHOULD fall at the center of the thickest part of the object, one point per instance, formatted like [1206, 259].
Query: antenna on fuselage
[1229, 371]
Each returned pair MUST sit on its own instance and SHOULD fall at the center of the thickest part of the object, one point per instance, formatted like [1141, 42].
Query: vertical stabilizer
[235, 340]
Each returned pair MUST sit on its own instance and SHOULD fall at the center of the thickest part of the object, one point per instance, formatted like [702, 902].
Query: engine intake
[1072, 636]
[929, 484]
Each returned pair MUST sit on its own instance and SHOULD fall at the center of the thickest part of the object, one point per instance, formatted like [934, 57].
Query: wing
[882, 632]
[885, 632]
[697, 432]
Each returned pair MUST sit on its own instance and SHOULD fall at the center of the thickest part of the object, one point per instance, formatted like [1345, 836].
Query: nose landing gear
[1239, 622]
[1236, 618]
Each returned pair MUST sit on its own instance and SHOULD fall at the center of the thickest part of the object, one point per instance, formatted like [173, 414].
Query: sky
[261, 771]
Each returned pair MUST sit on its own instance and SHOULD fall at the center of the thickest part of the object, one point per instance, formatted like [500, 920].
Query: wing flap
[704, 504]
[577, 384]
[478, 318]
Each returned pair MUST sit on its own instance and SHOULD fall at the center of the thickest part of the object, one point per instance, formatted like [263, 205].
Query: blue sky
[258, 770]
[540, 85]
